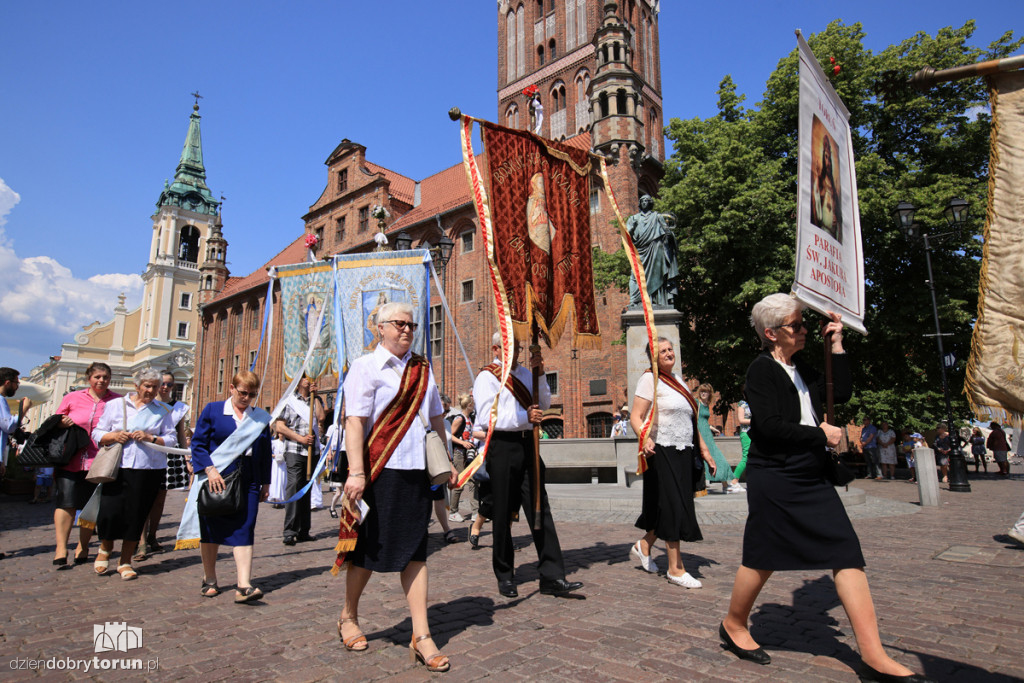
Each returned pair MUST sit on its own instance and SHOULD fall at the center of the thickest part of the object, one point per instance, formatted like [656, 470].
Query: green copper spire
[189, 190]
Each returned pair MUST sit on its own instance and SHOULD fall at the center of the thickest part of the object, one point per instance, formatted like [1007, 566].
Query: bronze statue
[656, 247]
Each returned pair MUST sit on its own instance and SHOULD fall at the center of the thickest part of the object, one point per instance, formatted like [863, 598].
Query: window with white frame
[185, 303]
[182, 330]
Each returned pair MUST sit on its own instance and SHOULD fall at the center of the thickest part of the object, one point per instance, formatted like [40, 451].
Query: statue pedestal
[667, 321]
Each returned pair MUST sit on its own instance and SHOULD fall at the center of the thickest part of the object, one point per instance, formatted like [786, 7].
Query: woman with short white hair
[137, 422]
[796, 520]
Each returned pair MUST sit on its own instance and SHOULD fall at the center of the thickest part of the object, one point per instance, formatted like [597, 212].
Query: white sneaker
[686, 581]
[646, 561]
[735, 488]
[1016, 535]
[456, 517]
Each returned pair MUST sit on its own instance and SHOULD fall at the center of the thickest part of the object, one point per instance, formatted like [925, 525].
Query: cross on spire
[198, 97]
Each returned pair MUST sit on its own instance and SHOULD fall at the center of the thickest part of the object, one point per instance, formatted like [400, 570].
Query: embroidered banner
[365, 282]
[829, 259]
[541, 220]
[995, 372]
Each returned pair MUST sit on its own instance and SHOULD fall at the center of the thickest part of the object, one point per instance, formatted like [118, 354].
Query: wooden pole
[310, 451]
[829, 390]
[535, 347]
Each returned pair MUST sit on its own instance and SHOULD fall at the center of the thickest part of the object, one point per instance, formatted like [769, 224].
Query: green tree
[731, 182]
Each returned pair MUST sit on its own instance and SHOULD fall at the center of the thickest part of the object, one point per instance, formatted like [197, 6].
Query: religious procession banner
[368, 281]
[364, 283]
[995, 372]
[829, 256]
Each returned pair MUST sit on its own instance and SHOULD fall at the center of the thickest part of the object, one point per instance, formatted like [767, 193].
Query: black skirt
[394, 532]
[125, 504]
[71, 490]
[795, 518]
[667, 506]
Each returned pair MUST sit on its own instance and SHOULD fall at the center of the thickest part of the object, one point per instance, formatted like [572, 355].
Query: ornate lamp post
[956, 217]
[441, 254]
[402, 241]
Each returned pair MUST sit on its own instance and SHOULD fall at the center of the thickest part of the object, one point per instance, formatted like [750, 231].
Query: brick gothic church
[596, 65]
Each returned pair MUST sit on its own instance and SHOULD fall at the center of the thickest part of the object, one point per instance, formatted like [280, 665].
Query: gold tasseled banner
[345, 546]
[86, 524]
[186, 544]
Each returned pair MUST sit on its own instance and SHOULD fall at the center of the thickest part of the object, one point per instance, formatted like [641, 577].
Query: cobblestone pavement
[947, 585]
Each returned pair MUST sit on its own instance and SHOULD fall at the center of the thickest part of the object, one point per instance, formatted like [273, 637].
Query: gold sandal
[355, 643]
[436, 663]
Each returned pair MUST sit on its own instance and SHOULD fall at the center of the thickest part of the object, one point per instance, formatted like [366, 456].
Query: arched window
[657, 134]
[599, 425]
[551, 50]
[582, 84]
[540, 55]
[512, 116]
[602, 101]
[510, 46]
[520, 41]
[188, 244]
[620, 102]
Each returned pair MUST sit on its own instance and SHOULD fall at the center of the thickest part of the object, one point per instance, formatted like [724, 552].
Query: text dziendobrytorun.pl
[87, 664]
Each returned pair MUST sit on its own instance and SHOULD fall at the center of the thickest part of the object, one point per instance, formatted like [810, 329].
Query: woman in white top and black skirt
[796, 520]
[671, 452]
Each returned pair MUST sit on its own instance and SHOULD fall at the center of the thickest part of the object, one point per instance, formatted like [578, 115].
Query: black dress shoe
[758, 656]
[303, 538]
[289, 540]
[508, 589]
[866, 673]
[474, 540]
[61, 561]
[559, 587]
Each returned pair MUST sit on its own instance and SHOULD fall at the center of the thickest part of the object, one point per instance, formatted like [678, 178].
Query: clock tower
[187, 217]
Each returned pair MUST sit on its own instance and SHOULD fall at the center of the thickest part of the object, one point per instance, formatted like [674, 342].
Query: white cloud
[41, 301]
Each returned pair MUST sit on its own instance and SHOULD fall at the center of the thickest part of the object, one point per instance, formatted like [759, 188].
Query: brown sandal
[436, 663]
[355, 643]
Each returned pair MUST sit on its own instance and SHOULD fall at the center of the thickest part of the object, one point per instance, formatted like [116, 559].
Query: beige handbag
[107, 463]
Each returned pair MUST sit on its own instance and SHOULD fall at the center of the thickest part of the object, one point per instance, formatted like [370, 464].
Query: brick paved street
[947, 584]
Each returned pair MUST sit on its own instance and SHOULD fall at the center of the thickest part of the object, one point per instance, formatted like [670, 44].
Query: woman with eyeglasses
[386, 392]
[219, 421]
[796, 520]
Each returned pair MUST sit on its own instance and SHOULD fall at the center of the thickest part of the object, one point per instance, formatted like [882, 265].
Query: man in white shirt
[510, 463]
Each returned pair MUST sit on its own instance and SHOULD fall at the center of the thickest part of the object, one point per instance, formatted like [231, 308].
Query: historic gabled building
[596, 67]
[162, 331]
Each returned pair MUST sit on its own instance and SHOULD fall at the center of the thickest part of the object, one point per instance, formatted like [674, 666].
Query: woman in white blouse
[670, 449]
[136, 421]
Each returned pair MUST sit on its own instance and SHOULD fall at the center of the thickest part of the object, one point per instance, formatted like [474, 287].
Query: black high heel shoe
[867, 674]
[61, 562]
[758, 656]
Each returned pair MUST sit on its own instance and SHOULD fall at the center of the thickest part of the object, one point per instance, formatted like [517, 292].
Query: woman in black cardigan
[796, 519]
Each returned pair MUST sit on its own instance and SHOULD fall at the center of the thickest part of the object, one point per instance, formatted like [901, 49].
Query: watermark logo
[116, 637]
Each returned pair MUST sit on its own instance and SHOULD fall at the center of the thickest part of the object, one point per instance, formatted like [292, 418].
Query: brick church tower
[596, 67]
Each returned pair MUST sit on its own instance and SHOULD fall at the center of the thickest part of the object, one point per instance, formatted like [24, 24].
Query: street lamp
[441, 254]
[402, 241]
[956, 217]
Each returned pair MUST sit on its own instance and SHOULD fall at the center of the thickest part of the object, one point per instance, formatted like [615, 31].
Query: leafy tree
[731, 182]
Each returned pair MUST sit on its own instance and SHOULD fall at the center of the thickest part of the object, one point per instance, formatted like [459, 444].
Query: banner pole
[312, 416]
[535, 348]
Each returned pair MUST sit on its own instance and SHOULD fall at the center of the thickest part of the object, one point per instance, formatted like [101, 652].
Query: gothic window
[570, 24]
[599, 425]
[520, 41]
[343, 180]
[540, 8]
[220, 376]
[236, 365]
[188, 244]
[364, 219]
[551, 50]
[582, 84]
[620, 102]
[254, 309]
[510, 46]
[558, 95]
[238, 323]
[540, 55]
[512, 116]
[581, 21]
[602, 101]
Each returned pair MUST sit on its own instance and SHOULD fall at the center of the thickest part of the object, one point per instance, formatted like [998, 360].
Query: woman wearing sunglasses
[219, 421]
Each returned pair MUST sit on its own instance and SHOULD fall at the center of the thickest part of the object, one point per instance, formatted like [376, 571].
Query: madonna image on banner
[373, 301]
[826, 201]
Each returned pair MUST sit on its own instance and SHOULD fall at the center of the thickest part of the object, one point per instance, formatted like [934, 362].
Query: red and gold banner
[540, 215]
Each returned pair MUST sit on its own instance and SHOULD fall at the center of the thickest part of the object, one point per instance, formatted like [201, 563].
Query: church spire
[189, 190]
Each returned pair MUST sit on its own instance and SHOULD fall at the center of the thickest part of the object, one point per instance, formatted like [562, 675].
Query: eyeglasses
[403, 324]
[794, 327]
[167, 384]
[244, 394]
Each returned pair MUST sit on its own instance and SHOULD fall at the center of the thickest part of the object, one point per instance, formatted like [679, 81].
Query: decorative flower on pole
[382, 215]
[312, 243]
[532, 92]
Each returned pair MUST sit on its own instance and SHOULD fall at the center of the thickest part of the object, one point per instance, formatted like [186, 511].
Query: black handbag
[836, 472]
[53, 444]
[227, 502]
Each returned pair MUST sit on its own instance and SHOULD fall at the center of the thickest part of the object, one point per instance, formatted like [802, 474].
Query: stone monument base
[667, 321]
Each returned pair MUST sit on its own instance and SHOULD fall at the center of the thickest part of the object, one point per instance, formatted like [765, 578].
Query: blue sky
[94, 105]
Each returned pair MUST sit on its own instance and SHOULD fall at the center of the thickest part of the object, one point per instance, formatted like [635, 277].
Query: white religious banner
[829, 256]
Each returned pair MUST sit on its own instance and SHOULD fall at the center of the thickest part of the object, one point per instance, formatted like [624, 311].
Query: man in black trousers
[510, 465]
[299, 435]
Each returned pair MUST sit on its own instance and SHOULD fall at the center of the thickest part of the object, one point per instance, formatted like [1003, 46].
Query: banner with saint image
[829, 256]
